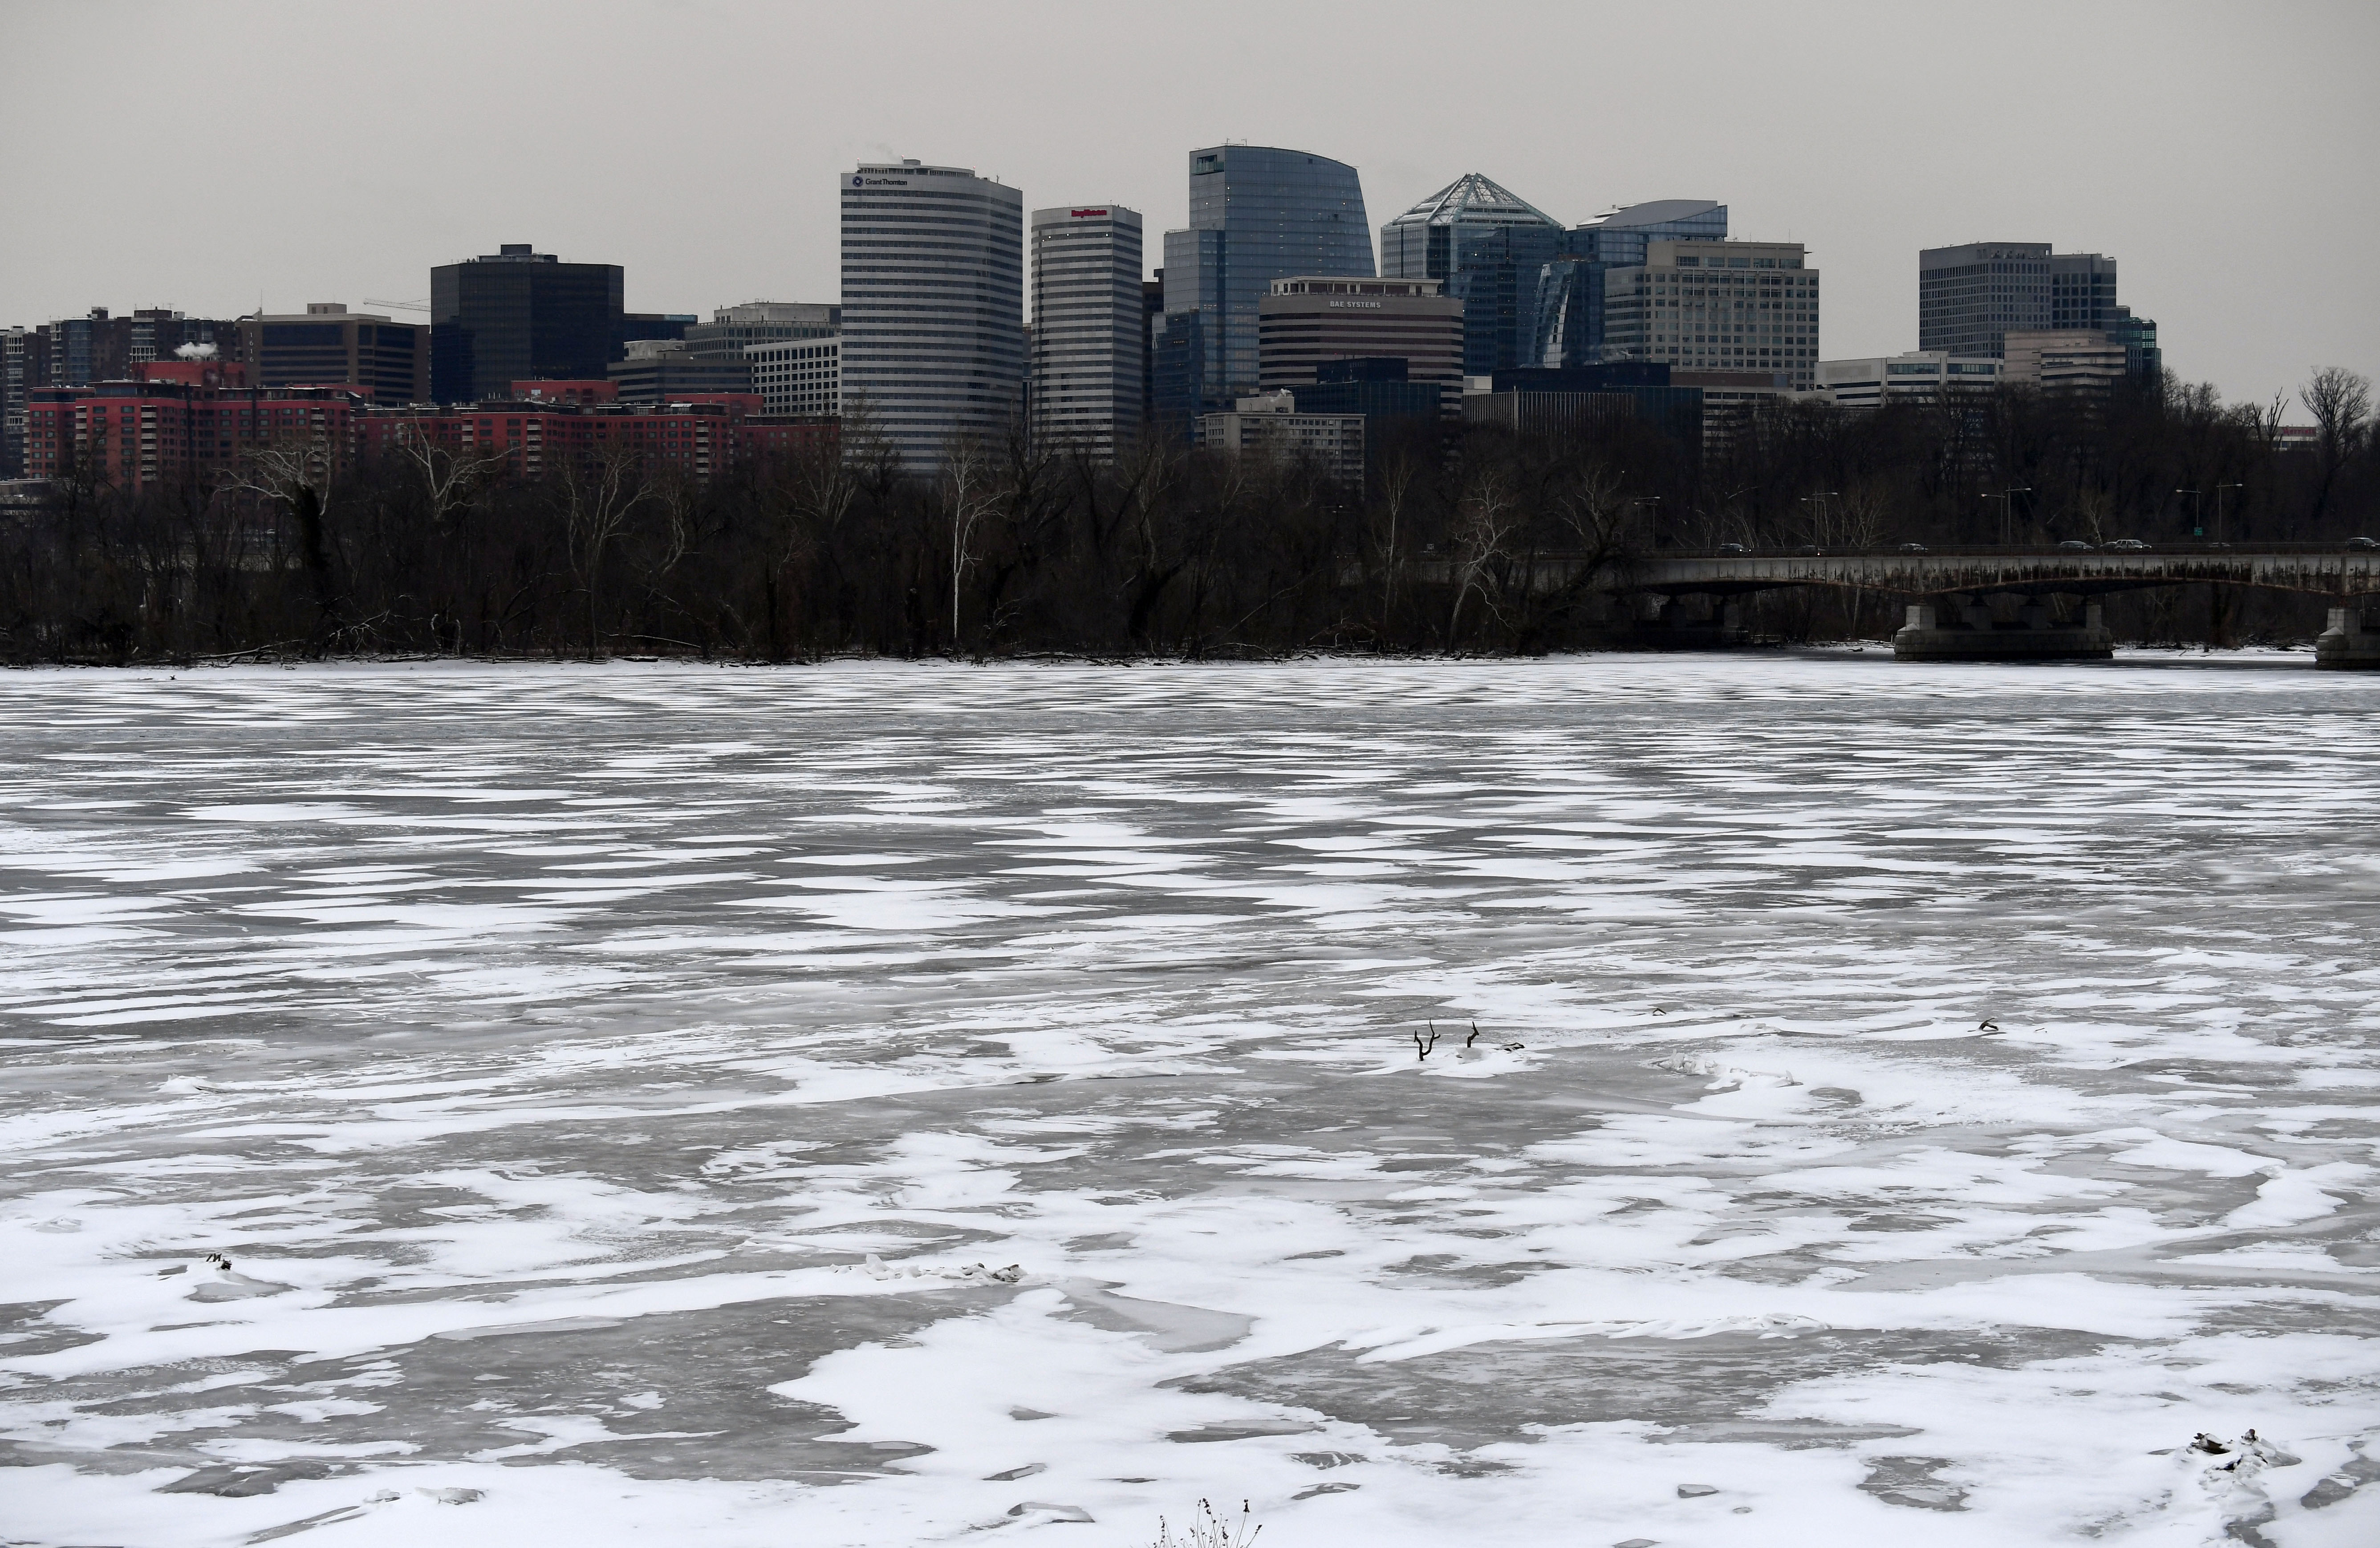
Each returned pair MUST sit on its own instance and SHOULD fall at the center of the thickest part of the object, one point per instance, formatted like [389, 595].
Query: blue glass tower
[1258, 213]
[1489, 246]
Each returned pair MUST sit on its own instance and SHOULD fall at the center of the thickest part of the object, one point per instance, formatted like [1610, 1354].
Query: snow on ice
[875, 1105]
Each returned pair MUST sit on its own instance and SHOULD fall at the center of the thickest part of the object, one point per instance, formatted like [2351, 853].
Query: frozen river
[878, 1105]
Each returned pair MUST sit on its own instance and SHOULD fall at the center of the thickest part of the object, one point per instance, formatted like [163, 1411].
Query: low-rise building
[2056, 360]
[664, 370]
[1268, 424]
[1920, 376]
[733, 330]
[706, 435]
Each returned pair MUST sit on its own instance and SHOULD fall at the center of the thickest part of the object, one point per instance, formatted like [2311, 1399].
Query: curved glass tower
[1258, 213]
[1487, 245]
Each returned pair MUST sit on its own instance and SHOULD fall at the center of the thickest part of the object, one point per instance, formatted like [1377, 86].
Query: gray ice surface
[1909, 1103]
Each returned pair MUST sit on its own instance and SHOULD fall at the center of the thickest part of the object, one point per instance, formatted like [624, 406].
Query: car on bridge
[2127, 545]
[2362, 543]
[2077, 543]
[1913, 548]
[1732, 548]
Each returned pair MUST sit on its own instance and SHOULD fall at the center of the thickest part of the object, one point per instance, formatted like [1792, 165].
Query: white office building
[1716, 305]
[798, 375]
[1920, 376]
[933, 307]
[1089, 330]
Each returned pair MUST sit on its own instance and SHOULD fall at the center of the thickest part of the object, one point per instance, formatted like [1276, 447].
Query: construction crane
[399, 306]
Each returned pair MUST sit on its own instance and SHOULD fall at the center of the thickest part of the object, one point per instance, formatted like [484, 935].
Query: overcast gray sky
[211, 157]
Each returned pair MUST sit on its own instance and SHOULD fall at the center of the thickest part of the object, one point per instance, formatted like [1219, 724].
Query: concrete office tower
[1486, 247]
[516, 315]
[798, 375]
[1969, 297]
[1258, 213]
[1716, 305]
[329, 345]
[933, 304]
[1307, 322]
[1569, 325]
[1090, 336]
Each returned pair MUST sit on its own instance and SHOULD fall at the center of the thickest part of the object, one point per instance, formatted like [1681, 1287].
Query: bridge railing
[1996, 550]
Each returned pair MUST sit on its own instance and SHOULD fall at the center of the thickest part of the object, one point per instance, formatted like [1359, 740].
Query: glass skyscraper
[1258, 213]
[1487, 246]
[514, 315]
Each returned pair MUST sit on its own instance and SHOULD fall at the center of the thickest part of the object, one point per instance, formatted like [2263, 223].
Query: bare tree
[449, 478]
[968, 494]
[1397, 473]
[2341, 402]
[599, 490]
[295, 472]
[1484, 519]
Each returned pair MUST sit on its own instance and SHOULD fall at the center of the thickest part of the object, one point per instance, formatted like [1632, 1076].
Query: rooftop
[1473, 199]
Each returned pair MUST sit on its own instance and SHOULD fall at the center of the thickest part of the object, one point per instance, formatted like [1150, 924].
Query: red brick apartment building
[177, 421]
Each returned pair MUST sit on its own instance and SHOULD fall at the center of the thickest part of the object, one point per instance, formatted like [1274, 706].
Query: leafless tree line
[1474, 540]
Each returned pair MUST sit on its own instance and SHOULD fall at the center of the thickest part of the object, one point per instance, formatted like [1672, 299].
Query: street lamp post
[2007, 498]
[2196, 530]
[2218, 507]
[1821, 534]
[1653, 522]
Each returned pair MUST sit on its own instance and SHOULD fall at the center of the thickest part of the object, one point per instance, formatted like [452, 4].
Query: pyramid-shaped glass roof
[1473, 199]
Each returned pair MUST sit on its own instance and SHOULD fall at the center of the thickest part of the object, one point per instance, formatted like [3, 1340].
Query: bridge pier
[1689, 621]
[1964, 628]
[2351, 642]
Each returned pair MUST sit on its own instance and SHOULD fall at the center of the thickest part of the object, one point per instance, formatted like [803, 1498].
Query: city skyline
[1828, 133]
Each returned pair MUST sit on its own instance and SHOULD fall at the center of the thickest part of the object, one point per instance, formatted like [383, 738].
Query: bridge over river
[2011, 603]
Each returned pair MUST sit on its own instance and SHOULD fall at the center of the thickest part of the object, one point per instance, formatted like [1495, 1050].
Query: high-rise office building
[24, 365]
[933, 303]
[1307, 323]
[1486, 247]
[2081, 291]
[1258, 213]
[1969, 297]
[1716, 305]
[1090, 335]
[1972, 297]
[1567, 330]
[329, 345]
[516, 315]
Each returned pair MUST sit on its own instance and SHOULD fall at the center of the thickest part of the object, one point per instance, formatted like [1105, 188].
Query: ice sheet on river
[873, 1105]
